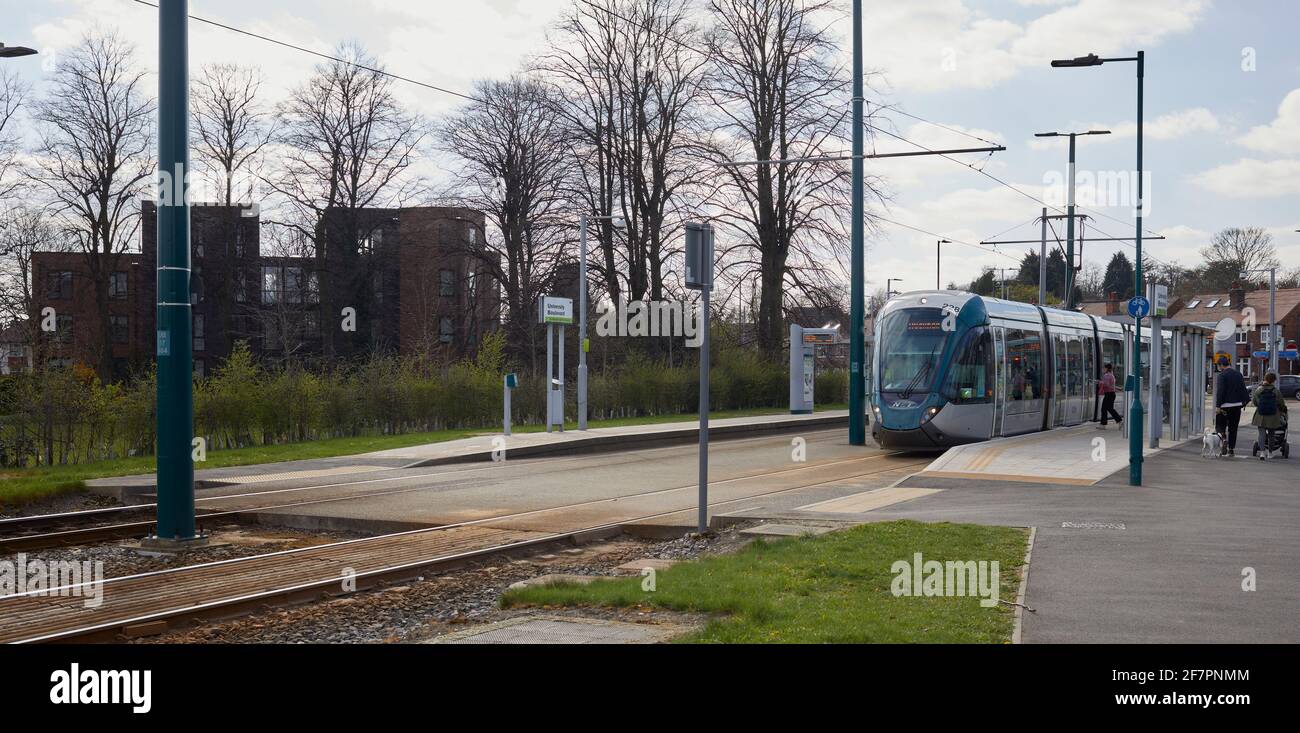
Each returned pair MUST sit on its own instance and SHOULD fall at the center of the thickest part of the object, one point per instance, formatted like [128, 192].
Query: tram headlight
[876, 410]
[929, 414]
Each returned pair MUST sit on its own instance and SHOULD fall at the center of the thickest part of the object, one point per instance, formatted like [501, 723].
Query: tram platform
[1082, 455]
[480, 448]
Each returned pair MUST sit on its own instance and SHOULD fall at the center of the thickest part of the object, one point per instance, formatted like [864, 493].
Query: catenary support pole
[857, 338]
[175, 386]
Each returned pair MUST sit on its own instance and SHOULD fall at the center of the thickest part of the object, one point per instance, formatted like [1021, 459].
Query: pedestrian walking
[1270, 411]
[1230, 395]
[1106, 388]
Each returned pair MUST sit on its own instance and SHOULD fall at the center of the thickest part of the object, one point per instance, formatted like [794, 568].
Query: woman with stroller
[1270, 411]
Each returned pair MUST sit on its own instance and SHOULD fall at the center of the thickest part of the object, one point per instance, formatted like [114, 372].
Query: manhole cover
[1092, 525]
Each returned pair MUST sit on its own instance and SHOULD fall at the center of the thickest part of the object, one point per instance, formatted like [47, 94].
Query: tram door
[999, 375]
[1060, 384]
[1075, 413]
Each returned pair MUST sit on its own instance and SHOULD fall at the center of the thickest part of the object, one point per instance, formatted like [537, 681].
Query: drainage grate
[1092, 525]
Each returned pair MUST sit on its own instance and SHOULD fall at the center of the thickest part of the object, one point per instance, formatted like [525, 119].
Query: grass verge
[20, 486]
[833, 588]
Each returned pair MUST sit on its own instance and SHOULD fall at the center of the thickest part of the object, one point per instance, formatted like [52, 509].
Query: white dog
[1211, 445]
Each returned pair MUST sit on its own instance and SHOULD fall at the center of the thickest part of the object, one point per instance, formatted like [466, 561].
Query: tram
[951, 367]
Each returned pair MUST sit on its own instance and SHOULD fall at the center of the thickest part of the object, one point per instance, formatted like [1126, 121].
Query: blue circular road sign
[1139, 307]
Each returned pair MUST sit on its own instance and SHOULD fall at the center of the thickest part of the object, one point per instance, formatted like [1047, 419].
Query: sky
[1222, 103]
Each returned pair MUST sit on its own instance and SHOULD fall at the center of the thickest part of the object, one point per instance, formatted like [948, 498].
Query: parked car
[1289, 384]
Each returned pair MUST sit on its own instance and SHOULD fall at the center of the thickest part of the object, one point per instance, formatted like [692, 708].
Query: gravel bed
[228, 542]
[452, 601]
[75, 501]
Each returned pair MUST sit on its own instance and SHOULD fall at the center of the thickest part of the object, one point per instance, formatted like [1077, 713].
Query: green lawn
[19, 486]
[834, 588]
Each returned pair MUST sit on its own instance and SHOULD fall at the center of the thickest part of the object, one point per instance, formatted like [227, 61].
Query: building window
[311, 324]
[313, 288]
[1243, 366]
[117, 285]
[63, 328]
[200, 343]
[58, 285]
[446, 283]
[121, 328]
[271, 284]
[241, 287]
[1242, 336]
[446, 330]
[293, 284]
[473, 235]
[198, 250]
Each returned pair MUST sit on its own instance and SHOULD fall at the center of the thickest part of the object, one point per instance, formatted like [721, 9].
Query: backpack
[1266, 401]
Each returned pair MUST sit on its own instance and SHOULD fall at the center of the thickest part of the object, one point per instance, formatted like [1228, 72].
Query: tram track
[24, 534]
[227, 587]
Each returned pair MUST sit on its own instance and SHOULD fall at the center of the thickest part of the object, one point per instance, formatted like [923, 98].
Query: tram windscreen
[911, 342]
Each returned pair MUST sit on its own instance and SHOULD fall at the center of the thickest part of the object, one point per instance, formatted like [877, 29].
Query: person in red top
[1106, 387]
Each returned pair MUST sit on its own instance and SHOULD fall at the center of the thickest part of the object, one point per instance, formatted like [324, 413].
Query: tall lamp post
[1069, 220]
[889, 290]
[617, 223]
[938, 249]
[1135, 372]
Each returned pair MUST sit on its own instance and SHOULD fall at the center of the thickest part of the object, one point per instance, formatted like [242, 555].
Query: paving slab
[550, 579]
[784, 530]
[636, 566]
[562, 630]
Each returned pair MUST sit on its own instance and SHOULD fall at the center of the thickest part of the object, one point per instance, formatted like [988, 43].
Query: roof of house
[1215, 306]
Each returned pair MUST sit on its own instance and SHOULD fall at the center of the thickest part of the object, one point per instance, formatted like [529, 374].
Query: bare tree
[13, 93]
[512, 146]
[582, 66]
[231, 127]
[778, 95]
[347, 144]
[95, 157]
[629, 86]
[1241, 249]
[232, 130]
[23, 230]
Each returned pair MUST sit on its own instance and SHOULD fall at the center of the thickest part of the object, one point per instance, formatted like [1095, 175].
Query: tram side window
[1024, 366]
[970, 378]
[1112, 352]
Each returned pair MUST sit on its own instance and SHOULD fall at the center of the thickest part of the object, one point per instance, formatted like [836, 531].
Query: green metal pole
[175, 388]
[857, 373]
[1135, 410]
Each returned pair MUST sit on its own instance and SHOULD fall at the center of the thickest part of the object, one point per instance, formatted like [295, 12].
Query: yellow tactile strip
[868, 500]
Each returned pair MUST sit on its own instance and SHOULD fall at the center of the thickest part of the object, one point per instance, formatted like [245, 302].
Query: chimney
[1237, 297]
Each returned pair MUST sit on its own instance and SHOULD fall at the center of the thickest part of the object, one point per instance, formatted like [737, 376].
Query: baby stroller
[1276, 442]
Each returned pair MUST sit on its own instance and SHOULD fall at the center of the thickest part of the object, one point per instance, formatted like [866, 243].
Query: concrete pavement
[1163, 562]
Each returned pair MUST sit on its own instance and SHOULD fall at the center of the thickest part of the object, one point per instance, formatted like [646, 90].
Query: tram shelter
[1175, 369]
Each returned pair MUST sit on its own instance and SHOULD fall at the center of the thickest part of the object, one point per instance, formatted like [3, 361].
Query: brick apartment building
[411, 285]
[1207, 309]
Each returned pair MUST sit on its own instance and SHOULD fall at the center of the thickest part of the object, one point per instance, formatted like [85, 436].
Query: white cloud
[1251, 178]
[1165, 127]
[964, 48]
[1282, 135]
